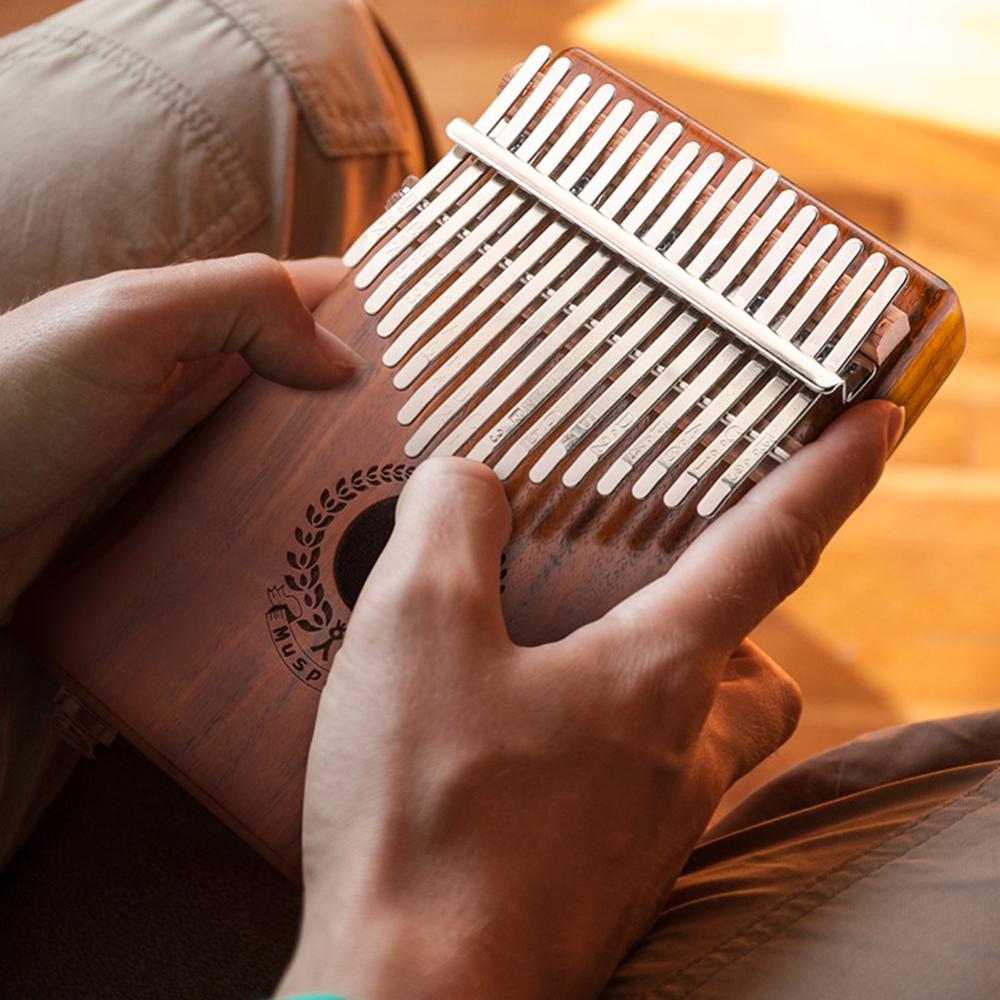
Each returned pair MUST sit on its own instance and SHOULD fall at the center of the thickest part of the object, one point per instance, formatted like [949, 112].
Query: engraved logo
[306, 616]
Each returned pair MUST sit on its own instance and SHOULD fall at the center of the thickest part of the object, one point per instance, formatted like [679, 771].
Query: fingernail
[337, 351]
[894, 425]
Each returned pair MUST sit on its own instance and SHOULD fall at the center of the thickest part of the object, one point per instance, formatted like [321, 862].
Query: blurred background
[889, 111]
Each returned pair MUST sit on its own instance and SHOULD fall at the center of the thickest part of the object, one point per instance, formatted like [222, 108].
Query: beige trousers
[140, 132]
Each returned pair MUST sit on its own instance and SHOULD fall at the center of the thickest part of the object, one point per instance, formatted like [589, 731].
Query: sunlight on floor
[852, 51]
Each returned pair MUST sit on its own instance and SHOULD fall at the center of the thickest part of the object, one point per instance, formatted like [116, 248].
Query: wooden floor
[902, 620]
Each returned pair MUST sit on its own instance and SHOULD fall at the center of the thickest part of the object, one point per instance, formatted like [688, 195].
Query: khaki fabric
[142, 133]
[871, 872]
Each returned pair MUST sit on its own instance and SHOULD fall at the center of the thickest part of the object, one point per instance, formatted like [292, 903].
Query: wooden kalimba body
[629, 319]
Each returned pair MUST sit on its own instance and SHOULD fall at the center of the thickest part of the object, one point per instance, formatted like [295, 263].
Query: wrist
[388, 953]
[370, 957]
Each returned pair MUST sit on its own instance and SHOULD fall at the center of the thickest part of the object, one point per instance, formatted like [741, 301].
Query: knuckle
[261, 266]
[435, 591]
[777, 700]
[799, 538]
[108, 294]
[266, 273]
[448, 469]
[669, 676]
[786, 698]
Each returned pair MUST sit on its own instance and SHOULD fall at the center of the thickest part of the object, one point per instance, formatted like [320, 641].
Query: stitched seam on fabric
[244, 194]
[28, 48]
[191, 114]
[364, 136]
[905, 834]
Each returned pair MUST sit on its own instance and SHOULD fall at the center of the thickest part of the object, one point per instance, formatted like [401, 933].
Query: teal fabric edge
[314, 996]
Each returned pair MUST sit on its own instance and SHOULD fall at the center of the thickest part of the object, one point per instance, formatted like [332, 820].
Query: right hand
[486, 820]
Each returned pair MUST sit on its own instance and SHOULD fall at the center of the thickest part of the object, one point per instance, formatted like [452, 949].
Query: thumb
[452, 523]
[744, 564]
[131, 328]
[257, 306]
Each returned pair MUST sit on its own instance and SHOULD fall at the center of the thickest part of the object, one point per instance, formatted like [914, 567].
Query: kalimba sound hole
[360, 546]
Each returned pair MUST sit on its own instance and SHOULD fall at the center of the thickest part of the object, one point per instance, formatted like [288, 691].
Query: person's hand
[101, 377]
[484, 820]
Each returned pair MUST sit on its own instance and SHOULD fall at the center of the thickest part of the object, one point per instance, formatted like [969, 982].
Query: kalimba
[629, 319]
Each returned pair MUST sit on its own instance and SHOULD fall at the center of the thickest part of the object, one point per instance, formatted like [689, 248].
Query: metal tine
[530, 291]
[762, 229]
[687, 196]
[496, 323]
[641, 405]
[521, 335]
[748, 374]
[643, 363]
[608, 287]
[758, 404]
[562, 370]
[819, 289]
[717, 407]
[560, 298]
[663, 184]
[725, 191]
[772, 305]
[733, 223]
[490, 295]
[844, 303]
[647, 359]
[528, 441]
[456, 221]
[667, 420]
[649, 260]
[618, 158]
[774, 258]
[847, 345]
[646, 164]
[780, 425]
[709, 212]
[677, 329]
[673, 372]
[506, 133]
[753, 454]
[486, 122]
[797, 273]
[487, 228]
[574, 358]
[785, 420]
[619, 350]
[515, 379]
[744, 294]
[506, 243]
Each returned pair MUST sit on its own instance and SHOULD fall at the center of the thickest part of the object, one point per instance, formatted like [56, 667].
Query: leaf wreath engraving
[304, 580]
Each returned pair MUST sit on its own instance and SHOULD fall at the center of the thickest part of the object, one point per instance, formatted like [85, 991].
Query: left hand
[100, 378]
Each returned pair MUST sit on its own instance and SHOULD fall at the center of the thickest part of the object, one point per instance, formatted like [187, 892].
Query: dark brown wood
[169, 620]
